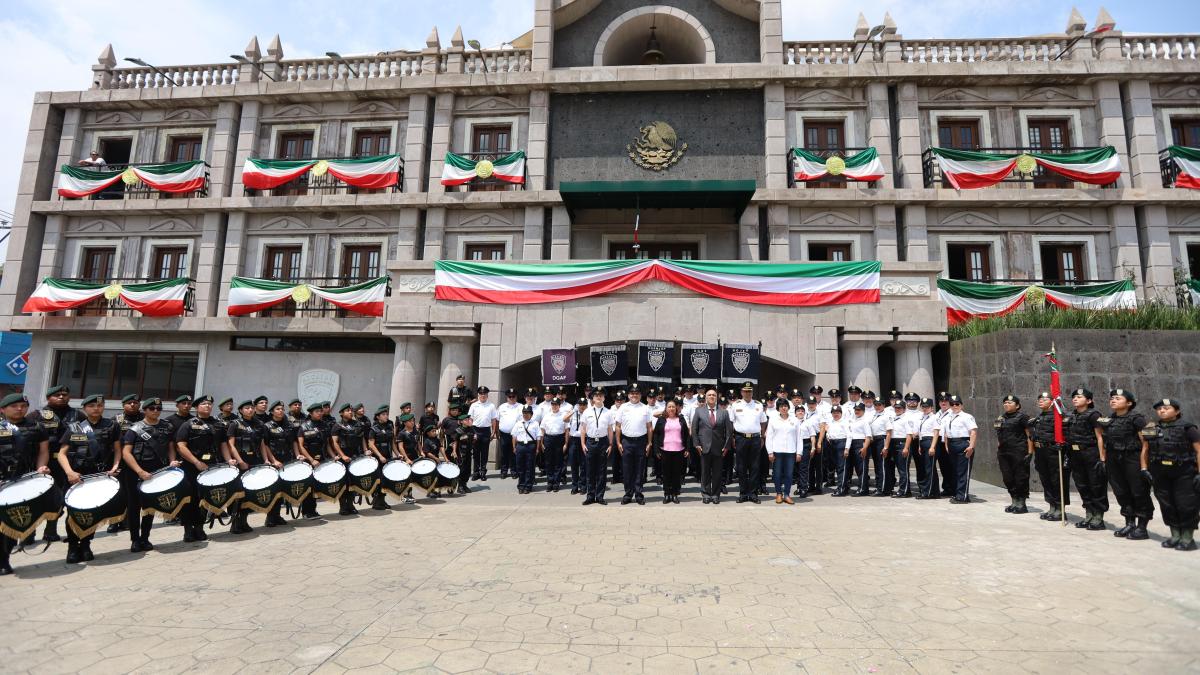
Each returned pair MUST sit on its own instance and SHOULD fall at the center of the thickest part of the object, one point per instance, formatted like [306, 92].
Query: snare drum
[397, 476]
[329, 480]
[93, 502]
[261, 484]
[295, 482]
[26, 502]
[364, 475]
[219, 487]
[165, 491]
[424, 472]
[447, 476]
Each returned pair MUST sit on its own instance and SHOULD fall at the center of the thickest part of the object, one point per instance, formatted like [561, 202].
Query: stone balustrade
[981, 50]
[178, 76]
[826, 52]
[1161, 47]
[392, 64]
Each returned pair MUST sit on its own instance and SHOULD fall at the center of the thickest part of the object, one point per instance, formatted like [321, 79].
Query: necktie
[712, 417]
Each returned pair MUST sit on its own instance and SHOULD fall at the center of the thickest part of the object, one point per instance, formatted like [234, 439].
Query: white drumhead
[162, 480]
[397, 471]
[92, 492]
[259, 477]
[329, 472]
[449, 470]
[296, 471]
[24, 489]
[217, 475]
[424, 467]
[363, 466]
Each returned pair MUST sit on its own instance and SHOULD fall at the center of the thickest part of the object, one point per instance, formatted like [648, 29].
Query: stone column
[909, 173]
[770, 32]
[234, 256]
[535, 220]
[440, 141]
[775, 123]
[415, 143]
[224, 150]
[543, 35]
[207, 269]
[247, 143]
[879, 128]
[458, 357]
[560, 233]
[777, 229]
[28, 228]
[860, 359]
[1151, 220]
[409, 365]
[53, 248]
[435, 233]
[539, 139]
[914, 367]
[916, 233]
[886, 236]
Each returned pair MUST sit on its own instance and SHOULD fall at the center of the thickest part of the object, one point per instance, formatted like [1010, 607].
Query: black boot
[379, 502]
[51, 533]
[1097, 523]
[1020, 507]
[147, 523]
[189, 534]
[198, 532]
[1187, 540]
[1125, 530]
[86, 550]
[1139, 530]
[73, 555]
[1173, 540]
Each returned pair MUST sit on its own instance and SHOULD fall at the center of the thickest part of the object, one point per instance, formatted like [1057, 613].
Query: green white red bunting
[158, 298]
[1194, 291]
[783, 284]
[968, 170]
[966, 300]
[459, 170]
[178, 177]
[381, 171]
[1188, 161]
[247, 296]
[863, 166]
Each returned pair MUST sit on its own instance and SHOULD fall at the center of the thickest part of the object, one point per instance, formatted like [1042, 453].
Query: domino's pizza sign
[19, 364]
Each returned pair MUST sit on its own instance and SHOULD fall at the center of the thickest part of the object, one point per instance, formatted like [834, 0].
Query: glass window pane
[70, 370]
[183, 375]
[157, 381]
[127, 376]
[98, 374]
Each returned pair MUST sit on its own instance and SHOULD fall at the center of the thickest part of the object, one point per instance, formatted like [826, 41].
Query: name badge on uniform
[1076, 447]
[79, 438]
[1166, 462]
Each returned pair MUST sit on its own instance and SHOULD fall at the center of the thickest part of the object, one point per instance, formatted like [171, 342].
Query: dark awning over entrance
[658, 194]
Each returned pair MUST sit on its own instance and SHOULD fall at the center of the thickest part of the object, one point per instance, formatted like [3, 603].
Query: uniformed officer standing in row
[1172, 456]
[507, 416]
[1049, 458]
[961, 432]
[749, 424]
[281, 441]
[634, 423]
[24, 447]
[485, 422]
[247, 447]
[1087, 458]
[88, 446]
[596, 428]
[147, 447]
[57, 414]
[312, 440]
[200, 442]
[1124, 447]
[526, 439]
[1014, 450]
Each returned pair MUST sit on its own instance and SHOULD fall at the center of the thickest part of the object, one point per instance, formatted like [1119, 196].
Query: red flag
[1056, 393]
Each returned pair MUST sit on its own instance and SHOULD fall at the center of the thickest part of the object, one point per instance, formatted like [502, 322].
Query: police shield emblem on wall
[316, 385]
[558, 366]
[610, 365]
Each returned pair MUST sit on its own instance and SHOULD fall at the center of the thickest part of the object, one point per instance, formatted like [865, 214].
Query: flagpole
[1062, 486]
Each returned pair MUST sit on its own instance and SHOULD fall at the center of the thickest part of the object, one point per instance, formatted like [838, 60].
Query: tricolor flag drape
[1194, 291]
[784, 284]
[863, 166]
[969, 170]
[1188, 161]
[247, 296]
[158, 298]
[177, 177]
[967, 300]
[380, 171]
[1056, 394]
[459, 170]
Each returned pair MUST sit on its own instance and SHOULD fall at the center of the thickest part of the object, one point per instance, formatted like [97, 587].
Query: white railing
[1161, 47]
[821, 53]
[976, 51]
[497, 61]
[399, 64]
[178, 76]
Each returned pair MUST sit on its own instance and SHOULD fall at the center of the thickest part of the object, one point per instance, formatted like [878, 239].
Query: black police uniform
[1050, 460]
[383, 434]
[204, 437]
[176, 420]
[1086, 468]
[316, 440]
[1173, 466]
[351, 439]
[18, 456]
[409, 442]
[1123, 461]
[90, 449]
[1012, 453]
[53, 420]
[468, 441]
[248, 436]
[125, 420]
[281, 439]
[152, 451]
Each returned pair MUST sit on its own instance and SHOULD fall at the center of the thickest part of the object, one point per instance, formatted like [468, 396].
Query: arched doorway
[678, 36]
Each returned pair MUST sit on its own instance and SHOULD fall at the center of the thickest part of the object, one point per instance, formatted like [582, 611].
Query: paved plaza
[503, 583]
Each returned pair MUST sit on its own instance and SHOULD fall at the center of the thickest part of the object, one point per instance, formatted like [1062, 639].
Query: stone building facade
[573, 94]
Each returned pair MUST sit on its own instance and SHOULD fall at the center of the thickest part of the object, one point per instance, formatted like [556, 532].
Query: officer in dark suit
[712, 435]
[295, 414]
[460, 391]
[1171, 457]
[183, 412]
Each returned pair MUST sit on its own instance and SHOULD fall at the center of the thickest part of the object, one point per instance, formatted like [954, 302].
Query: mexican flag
[966, 300]
[969, 170]
[158, 298]
[247, 296]
[785, 284]
[459, 170]
[1188, 161]
[1115, 295]
[382, 171]
[264, 174]
[1194, 291]
[863, 166]
[175, 178]
[75, 182]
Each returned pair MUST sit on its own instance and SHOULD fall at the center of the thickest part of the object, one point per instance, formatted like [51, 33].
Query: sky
[52, 44]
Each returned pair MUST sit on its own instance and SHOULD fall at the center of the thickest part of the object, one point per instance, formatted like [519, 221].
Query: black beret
[1012, 399]
[127, 398]
[295, 401]
[1082, 391]
[406, 417]
[345, 407]
[93, 398]
[58, 389]
[1168, 402]
[382, 409]
[1128, 395]
[406, 404]
[315, 406]
[203, 399]
[228, 399]
[245, 403]
[260, 398]
[13, 399]
[183, 399]
[153, 400]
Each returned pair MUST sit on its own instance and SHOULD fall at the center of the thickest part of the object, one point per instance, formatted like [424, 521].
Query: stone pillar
[409, 365]
[539, 139]
[102, 69]
[1152, 222]
[35, 184]
[247, 143]
[748, 229]
[860, 361]
[543, 35]
[770, 32]
[53, 248]
[248, 72]
[223, 157]
[415, 142]
[879, 128]
[440, 141]
[70, 143]
[909, 173]
[1110, 119]
[435, 233]
[534, 223]
[775, 123]
[914, 367]
[916, 233]
[234, 248]
[406, 244]
[777, 229]
[886, 246]
[827, 372]
[560, 233]
[207, 268]
[458, 358]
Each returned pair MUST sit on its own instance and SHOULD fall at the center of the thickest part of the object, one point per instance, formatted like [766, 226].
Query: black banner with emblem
[610, 366]
[739, 363]
[700, 364]
[558, 366]
[656, 361]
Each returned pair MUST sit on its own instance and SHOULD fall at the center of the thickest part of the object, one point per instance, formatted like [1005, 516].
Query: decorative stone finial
[107, 58]
[275, 49]
[1076, 23]
[1104, 20]
[457, 39]
[889, 24]
[433, 41]
[861, 29]
[252, 51]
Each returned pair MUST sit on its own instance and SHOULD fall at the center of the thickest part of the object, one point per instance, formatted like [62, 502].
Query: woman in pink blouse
[670, 439]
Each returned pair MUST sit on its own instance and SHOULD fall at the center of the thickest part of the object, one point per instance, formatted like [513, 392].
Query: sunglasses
[956, 403]
[152, 407]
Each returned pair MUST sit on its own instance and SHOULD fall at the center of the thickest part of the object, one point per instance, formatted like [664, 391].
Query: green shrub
[1150, 316]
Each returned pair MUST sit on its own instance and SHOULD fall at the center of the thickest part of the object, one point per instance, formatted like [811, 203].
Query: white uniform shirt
[927, 424]
[748, 418]
[537, 411]
[596, 421]
[939, 418]
[573, 428]
[482, 413]
[837, 430]
[508, 414]
[553, 423]
[783, 435]
[860, 428]
[911, 418]
[810, 428]
[689, 407]
[541, 410]
[633, 418]
[526, 431]
[824, 406]
[959, 425]
[659, 407]
[879, 425]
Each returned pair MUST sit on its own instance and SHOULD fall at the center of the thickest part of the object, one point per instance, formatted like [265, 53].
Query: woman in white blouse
[783, 442]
